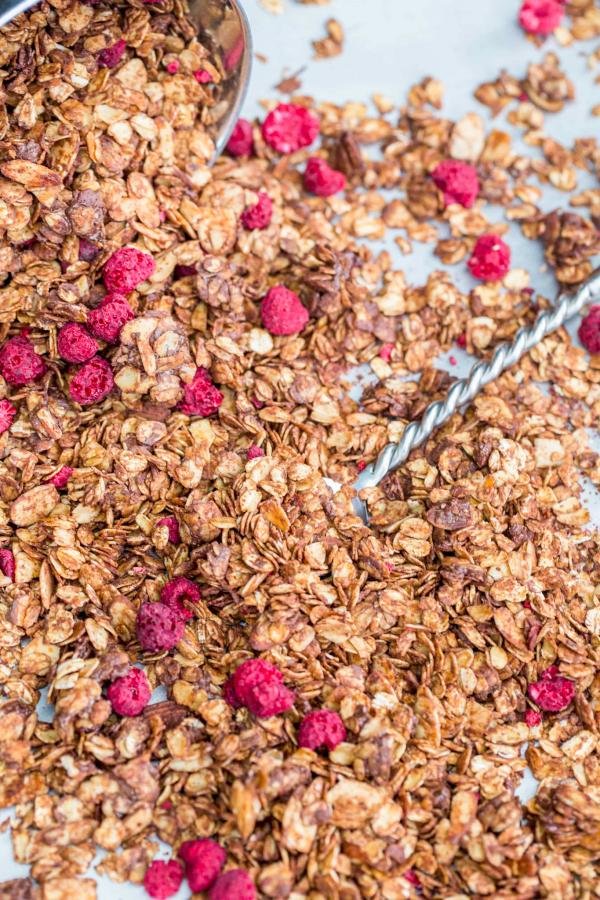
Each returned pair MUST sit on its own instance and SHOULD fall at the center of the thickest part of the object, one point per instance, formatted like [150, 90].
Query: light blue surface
[391, 44]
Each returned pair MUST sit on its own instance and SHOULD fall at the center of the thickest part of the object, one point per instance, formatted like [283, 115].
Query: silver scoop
[224, 28]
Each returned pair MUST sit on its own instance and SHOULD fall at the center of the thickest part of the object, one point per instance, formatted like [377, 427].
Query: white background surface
[391, 44]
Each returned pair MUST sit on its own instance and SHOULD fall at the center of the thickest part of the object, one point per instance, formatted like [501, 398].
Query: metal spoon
[224, 28]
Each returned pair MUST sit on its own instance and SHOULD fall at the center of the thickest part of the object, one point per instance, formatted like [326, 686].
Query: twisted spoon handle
[463, 391]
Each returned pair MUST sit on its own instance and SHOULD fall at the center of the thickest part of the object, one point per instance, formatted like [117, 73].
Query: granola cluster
[295, 703]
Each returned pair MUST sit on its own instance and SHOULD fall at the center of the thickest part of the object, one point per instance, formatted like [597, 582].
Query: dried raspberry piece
[75, 344]
[172, 526]
[259, 215]
[7, 415]
[361, 465]
[106, 321]
[411, 876]
[490, 260]
[321, 179]
[61, 478]
[254, 452]
[88, 251]
[19, 363]
[127, 268]
[458, 181]
[176, 592]
[385, 352]
[532, 718]
[7, 564]
[540, 16]
[172, 66]
[163, 879]
[258, 685]
[289, 127]
[202, 76]
[282, 311]
[553, 692]
[241, 142]
[321, 728]
[235, 884]
[200, 396]
[589, 330]
[130, 694]
[158, 627]
[203, 860]
[112, 56]
[461, 340]
[92, 382]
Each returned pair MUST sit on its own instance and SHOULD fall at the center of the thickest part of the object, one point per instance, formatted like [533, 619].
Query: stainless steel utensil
[223, 25]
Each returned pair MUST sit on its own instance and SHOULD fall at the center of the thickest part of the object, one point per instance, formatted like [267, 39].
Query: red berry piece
[490, 260]
[589, 330]
[259, 215]
[172, 66]
[158, 627]
[202, 76]
[532, 718]
[258, 685]
[75, 344]
[289, 127]
[7, 415]
[130, 694]
[19, 363]
[203, 860]
[183, 271]
[163, 879]
[254, 452]
[92, 382]
[200, 396]
[540, 16]
[385, 352]
[321, 179]
[411, 876]
[172, 526]
[7, 564]
[107, 320]
[233, 885]
[458, 181]
[553, 692]
[61, 478]
[282, 311]
[321, 728]
[177, 592]
[112, 56]
[241, 142]
[88, 251]
[127, 268]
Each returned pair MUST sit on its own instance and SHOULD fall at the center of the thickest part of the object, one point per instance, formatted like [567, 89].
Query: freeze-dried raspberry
[200, 396]
[321, 728]
[176, 592]
[88, 251]
[321, 179]
[75, 344]
[111, 56]
[7, 564]
[258, 685]
[411, 876]
[235, 884]
[552, 692]
[7, 415]
[183, 271]
[259, 215]
[19, 363]
[163, 879]
[158, 627]
[172, 66]
[254, 452]
[172, 526]
[92, 382]
[385, 352]
[61, 478]
[106, 321]
[458, 181]
[540, 16]
[127, 268]
[282, 311]
[203, 860]
[130, 694]
[289, 127]
[202, 76]
[490, 260]
[241, 142]
[589, 330]
[532, 717]
[461, 340]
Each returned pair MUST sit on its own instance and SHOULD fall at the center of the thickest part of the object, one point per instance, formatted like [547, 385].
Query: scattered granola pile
[342, 711]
